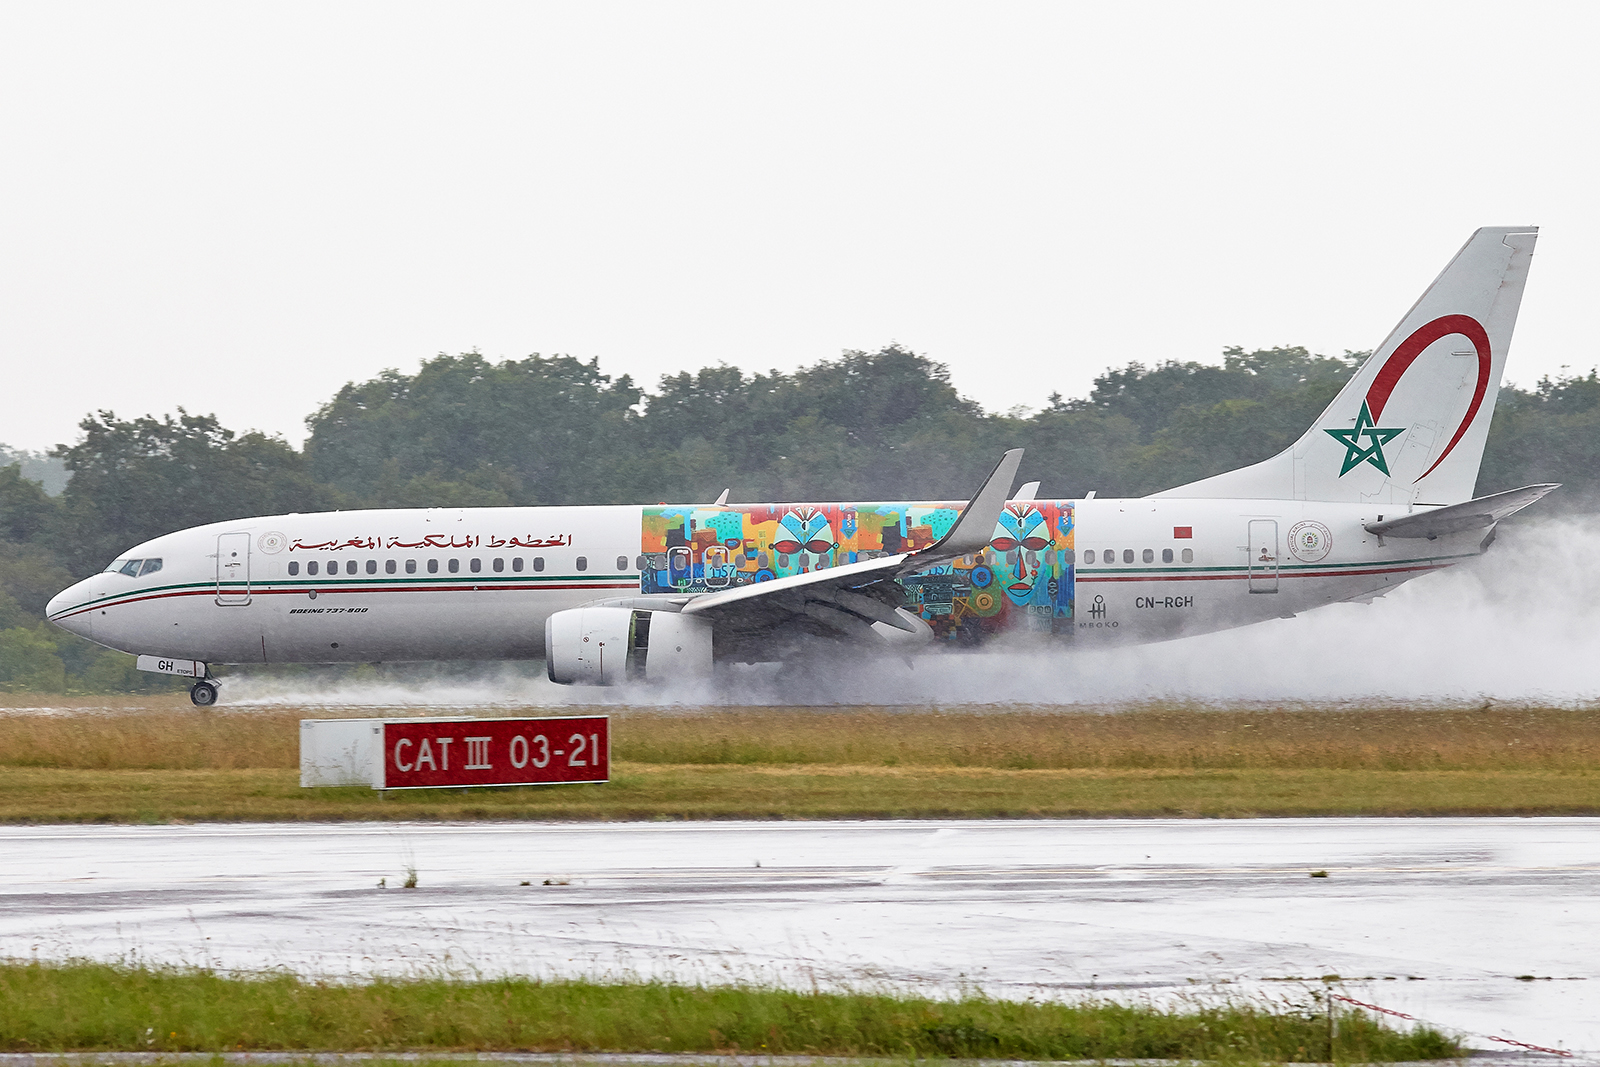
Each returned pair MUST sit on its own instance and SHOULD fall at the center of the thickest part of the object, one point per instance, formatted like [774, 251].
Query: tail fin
[1410, 426]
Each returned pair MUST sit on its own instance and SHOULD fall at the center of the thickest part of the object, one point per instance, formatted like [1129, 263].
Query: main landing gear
[203, 693]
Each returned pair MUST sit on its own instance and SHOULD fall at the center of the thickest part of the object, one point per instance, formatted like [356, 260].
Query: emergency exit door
[680, 567]
[233, 568]
[1263, 555]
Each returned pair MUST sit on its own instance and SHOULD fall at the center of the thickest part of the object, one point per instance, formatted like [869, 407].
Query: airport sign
[427, 753]
[435, 753]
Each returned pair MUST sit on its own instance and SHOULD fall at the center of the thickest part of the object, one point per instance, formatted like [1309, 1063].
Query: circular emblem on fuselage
[984, 603]
[272, 543]
[1310, 541]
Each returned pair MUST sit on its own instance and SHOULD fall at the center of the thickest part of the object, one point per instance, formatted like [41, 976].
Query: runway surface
[1488, 926]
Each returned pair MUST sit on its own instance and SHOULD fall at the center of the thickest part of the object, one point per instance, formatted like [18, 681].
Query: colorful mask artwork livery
[1020, 538]
[806, 534]
[1023, 581]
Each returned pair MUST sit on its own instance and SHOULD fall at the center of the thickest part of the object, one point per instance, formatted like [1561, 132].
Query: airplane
[1376, 492]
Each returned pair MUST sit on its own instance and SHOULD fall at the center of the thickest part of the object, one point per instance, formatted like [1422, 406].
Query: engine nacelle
[677, 646]
[588, 646]
[609, 645]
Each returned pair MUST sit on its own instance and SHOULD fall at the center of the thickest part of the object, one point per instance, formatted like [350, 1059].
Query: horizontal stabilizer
[1471, 515]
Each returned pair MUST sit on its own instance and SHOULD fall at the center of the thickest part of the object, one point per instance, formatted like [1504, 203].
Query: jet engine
[610, 645]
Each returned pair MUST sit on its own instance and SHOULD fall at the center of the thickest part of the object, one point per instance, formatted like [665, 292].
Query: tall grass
[151, 738]
[1148, 736]
[86, 1006]
[168, 736]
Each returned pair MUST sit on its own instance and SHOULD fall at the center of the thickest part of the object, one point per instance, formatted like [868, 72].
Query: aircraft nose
[59, 610]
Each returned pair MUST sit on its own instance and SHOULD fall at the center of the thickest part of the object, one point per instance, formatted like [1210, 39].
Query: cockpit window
[134, 568]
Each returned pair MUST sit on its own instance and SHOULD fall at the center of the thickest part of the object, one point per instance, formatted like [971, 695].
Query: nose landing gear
[203, 691]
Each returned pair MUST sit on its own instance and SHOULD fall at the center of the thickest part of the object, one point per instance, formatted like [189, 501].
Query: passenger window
[411, 566]
[311, 568]
[516, 564]
[388, 566]
[499, 564]
[1108, 556]
[372, 566]
[1069, 557]
[1166, 555]
[1188, 555]
[1149, 555]
[350, 567]
[1127, 555]
[455, 566]
[475, 566]
[583, 563]
[150, 567]
[294, 567]
[622, 563]
[538, 563]
[638, 563]
[1088, 555]
[131, 568]
[433, 566]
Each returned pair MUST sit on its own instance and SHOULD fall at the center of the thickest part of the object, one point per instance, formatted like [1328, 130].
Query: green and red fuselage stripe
[522, 583]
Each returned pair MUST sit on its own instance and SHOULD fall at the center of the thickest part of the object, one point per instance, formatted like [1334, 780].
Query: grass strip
[644, 792]
[167, 734]
[99, 1007]
[152, 760]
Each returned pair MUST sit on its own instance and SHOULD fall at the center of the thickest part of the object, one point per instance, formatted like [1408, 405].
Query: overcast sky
[237, 208]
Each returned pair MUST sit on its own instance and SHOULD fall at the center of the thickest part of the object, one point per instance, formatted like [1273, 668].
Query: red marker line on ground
[1524, 1044]
[1413, 1018]
[1373, 1007]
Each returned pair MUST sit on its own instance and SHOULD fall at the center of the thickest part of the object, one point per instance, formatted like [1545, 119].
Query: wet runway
[1490, 926]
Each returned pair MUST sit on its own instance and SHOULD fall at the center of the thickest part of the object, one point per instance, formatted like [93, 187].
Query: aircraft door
[233, 568]
[680, 567]
[718, 571]
[1263, 555]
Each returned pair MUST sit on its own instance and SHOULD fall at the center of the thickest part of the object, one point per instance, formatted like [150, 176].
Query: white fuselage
[479, 583]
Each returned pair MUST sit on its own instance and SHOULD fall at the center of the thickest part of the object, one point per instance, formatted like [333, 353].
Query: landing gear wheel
[204, 694]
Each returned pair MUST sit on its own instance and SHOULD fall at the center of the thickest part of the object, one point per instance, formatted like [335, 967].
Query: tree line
[466, 431]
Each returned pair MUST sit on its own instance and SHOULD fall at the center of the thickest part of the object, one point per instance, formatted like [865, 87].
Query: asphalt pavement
[1490, 927]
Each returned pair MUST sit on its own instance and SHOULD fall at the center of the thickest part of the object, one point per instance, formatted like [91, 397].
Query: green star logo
[1355, 455]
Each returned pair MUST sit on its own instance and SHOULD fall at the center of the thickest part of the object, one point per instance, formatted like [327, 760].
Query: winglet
[975, 528]
[722, 501]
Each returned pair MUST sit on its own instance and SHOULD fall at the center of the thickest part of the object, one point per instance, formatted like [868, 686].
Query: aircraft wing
[1471, 515]
[850, 598]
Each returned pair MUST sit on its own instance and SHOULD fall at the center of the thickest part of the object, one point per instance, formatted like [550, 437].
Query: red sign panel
[424, 753]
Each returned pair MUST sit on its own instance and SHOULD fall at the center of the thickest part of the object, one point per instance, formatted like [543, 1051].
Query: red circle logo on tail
[1412, 347]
